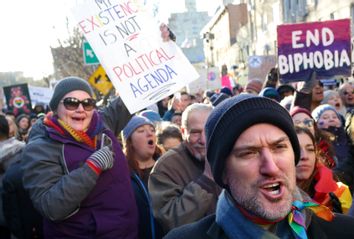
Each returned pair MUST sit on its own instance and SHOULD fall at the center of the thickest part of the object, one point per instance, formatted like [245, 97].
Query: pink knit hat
[297, 109]
[254, 85]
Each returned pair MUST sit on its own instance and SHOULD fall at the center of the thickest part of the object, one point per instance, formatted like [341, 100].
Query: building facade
[187, 26]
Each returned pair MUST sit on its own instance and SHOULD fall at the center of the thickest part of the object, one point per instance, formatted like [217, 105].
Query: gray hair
[195, 107]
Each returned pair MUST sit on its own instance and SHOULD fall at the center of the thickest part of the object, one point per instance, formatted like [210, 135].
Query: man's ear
[184, 132]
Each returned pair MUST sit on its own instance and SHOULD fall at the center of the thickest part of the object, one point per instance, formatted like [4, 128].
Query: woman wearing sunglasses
[75, 170]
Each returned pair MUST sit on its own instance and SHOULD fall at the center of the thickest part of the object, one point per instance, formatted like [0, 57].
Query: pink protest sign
[323, 47]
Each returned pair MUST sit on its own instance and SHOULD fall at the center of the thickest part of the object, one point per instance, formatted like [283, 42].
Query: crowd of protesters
[260, 160]
[78, 171]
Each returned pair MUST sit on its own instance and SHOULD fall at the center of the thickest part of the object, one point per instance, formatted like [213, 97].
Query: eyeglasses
[306, 122]
[348, 92]
[71, 103]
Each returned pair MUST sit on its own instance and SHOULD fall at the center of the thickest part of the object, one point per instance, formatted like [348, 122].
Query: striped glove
[101, 160]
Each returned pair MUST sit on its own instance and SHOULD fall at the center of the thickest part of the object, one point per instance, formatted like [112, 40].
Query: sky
[29, 28]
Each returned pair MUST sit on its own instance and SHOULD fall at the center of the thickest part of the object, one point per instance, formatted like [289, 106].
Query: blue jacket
[148, 227]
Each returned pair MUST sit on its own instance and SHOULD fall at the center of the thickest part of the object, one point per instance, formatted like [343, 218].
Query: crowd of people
[234, 163]
[261, 160]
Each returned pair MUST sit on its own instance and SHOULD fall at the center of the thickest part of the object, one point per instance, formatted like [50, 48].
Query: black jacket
[23, 220]
[206, 228]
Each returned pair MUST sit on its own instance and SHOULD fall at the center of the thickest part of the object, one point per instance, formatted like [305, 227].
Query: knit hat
[271, 93]
[20, 117]
[319, 110]
[151, 115]
[232, 117]
[297, 109]
[254, 85]
[134, 123]
[218, 98]
[67, 85]
[226, 90]
[285, 88]
[327, 95]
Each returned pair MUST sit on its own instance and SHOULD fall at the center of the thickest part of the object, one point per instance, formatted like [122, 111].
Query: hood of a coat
[10, 147]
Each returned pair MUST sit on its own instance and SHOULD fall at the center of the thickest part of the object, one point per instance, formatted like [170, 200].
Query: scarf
[88, 137]
[227, 216]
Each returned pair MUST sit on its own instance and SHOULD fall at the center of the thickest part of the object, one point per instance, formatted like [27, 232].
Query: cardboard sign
[209, 80]
[323, 47]
[259, 66]
[18, 99]
[40, 94]
[128, 44]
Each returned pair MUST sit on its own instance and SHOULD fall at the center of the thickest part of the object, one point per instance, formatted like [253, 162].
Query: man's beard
[250, 201]
[192, 149]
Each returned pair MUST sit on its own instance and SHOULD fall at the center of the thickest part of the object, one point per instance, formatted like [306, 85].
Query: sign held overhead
[128, 44]
[323, 47]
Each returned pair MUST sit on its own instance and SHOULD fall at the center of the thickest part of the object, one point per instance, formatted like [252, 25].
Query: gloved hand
[101, 160]
[337, 206]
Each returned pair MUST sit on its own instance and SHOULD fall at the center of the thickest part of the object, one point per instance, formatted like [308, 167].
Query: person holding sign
[74, 168]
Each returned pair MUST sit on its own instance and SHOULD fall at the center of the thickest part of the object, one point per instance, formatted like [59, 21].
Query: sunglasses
[72, 103]
[306, 122]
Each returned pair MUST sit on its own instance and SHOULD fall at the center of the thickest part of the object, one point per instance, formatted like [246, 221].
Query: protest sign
[40, 94]
[209, 79]
[323, 47]
[259, 66]
[18, 99]
[128, 44]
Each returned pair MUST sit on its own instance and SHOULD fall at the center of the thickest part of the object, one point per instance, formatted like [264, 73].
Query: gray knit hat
[135, 122]
[319, 110]
[67, 85]
[232, 117]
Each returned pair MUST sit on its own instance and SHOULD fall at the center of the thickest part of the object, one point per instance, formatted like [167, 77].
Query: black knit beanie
[67, 85]
[232, 117]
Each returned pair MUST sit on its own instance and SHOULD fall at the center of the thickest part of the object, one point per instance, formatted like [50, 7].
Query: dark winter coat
[206, 228]
[21, 217]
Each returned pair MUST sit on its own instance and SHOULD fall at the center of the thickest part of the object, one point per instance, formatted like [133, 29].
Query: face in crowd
[24, 123]
[304, 120]
[317, 92]
[185, 101]
[307, 163]
[193, 131]
[260, 171]
[329, 118]
[335, 101]
[347, 94]
[76, 109]
[143, 142]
